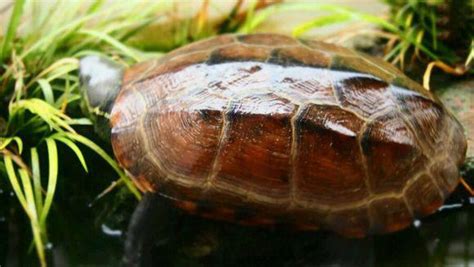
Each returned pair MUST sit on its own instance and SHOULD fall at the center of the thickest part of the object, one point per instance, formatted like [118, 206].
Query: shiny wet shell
[264, 129]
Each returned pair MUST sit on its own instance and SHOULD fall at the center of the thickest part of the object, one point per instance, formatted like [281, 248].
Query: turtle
[266, 129]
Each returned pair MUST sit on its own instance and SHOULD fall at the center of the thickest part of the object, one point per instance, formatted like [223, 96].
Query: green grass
[413, 29]
[39, 87]
[39, 77]
[432, 31]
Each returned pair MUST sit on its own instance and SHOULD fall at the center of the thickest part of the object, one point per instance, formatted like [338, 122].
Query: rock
[459, 98]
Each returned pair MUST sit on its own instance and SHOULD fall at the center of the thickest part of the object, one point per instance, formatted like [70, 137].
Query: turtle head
[101, 80]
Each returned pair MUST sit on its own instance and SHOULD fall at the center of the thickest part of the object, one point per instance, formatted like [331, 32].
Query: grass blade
[14, 182]
[261, 16]
[52, 116]
[36, 173]
[47, 91]
[319, 22]
[52, 179]
[127, 51]
[74, 148]
[35, 226]
[80, 121]
[12, 27]
[5, 141]
[470, 57]
[48, 39]
[83, 140]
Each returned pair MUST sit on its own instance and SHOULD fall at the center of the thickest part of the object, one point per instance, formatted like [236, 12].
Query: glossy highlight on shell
[264, 129]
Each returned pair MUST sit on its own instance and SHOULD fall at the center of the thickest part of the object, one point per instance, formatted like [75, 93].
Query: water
[87, 232]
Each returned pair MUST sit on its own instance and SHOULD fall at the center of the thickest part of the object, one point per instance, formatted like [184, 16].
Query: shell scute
[298, 56]
[328, 158]
[367, 96]
[329, 49]
[203, 45]
[199, 132]
[360, 65]
[180, 62]
[352, 222]
[143, 170]
[139, 72]
[305, 84]
[447, 174]
[423, 196]
[382, 64]
[260, 143]
[389, 215]
[238, 52]
[392, 154]
[405, 82]
[267, 40]
[424, 116]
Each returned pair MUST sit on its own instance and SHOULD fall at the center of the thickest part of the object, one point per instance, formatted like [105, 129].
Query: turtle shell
[264, 129]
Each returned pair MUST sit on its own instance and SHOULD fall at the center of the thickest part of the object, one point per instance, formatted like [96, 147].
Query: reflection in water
[443, 239]
[439, 240]
[110, 232]
[77, 234]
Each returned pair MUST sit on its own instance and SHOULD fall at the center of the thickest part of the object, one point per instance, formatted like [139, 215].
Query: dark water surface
[84, 232]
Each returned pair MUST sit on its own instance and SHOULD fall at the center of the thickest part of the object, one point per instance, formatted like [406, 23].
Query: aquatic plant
[417, 33]
[40, 96]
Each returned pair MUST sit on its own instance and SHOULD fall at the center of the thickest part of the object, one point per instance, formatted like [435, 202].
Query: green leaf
[80, 121]
[52, 179]
[35, 226]
[53, 35]
[47, 91]
[470, 57]
[74, 148]
[51, 115]
[28, 189]
[248, 24]
[3, 171]
[319, 22]
[14, 182]
[67, 99]
[36, 173]
[97, 149]
[262, 15]
[5, 141]
[12, 27]
[127, 51]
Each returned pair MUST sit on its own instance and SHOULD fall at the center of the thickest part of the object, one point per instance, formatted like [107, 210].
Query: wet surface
[81, 234]
[258, 130]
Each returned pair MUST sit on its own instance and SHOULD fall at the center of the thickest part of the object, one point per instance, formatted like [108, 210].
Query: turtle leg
[150, 223]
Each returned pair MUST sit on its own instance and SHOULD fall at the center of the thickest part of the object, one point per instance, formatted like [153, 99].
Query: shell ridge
[338, 95]
[167, 173]
[294, 153]
[222, 140]
[367, 176]
[419, 141]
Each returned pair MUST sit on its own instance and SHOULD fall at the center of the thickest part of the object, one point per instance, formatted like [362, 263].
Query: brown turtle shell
[264, 129]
